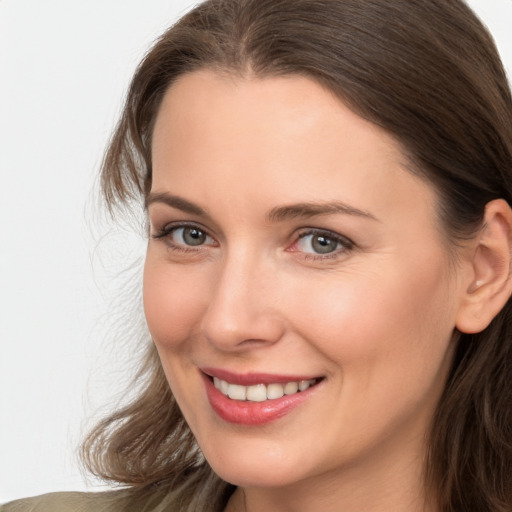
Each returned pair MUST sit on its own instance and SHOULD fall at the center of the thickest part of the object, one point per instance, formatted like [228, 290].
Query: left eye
[191, 236]
[319, 243]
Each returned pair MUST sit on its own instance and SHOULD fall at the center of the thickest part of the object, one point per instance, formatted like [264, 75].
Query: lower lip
[253, 413]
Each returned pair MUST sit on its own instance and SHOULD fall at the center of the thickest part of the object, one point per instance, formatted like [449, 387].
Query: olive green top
[124, 499]
[72, 502]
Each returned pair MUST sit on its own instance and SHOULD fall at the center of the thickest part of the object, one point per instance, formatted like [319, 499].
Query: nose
[243, 311]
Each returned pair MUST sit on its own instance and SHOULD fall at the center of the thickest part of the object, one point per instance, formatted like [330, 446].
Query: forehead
[276, 139]
[222, 103]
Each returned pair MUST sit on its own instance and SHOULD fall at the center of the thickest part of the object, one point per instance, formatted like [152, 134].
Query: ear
[489, 285]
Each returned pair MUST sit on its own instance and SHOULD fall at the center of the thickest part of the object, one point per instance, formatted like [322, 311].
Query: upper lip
[253, 378]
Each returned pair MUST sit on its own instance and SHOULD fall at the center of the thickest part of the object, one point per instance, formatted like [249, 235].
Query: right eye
[184, 237]
[192, 236]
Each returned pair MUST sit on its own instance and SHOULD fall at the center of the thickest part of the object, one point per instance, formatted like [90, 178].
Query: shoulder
[68, 502]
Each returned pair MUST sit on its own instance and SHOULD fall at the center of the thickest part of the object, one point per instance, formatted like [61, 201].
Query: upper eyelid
[155, 212]
[169, 226]
[309, 231]
[322, 231]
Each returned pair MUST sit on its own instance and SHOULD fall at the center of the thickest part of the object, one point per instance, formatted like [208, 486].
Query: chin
[260, 465]
[254, 475]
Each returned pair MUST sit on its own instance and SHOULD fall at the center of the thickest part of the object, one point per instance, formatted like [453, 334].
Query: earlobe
[490, 285]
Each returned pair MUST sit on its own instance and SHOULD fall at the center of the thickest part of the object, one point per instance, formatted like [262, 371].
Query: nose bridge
[242, 307]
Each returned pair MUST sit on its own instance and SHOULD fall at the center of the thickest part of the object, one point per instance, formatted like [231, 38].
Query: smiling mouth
[254, 399]
[262, 392]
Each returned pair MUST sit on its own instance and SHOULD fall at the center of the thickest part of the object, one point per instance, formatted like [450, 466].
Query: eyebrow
[312, 209]
[277, 214]
[174, 202]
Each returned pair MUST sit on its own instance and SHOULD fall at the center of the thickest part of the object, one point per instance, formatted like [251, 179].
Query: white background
[64, 68]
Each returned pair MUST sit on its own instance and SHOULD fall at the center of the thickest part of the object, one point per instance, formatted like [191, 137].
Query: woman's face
[290, 248]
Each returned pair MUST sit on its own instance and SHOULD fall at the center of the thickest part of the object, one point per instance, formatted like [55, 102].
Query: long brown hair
[428, 72]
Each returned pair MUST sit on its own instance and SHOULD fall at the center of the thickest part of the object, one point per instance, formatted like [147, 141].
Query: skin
[375, 318]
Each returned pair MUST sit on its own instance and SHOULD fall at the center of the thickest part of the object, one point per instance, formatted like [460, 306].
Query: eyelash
[346, 244]
[166, 232]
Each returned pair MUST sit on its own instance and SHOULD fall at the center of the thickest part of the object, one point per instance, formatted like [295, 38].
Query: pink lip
[250, 379]
[252, 413]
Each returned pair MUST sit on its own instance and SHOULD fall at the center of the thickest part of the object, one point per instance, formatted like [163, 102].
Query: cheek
[398, 319]
[387, 343]
[174, 301]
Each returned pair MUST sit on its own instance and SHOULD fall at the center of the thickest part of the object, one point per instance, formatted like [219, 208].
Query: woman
[327, 280]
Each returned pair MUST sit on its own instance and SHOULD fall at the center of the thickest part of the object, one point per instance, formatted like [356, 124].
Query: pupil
[193, 236]
[323, 245]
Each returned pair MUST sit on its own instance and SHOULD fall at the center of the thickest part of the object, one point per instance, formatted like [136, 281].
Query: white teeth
[290, 388]
[224, 387]
[221, 385]
[237, 392]
[275, 391]
[261, 392]
[257, 393]
[303, 385]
